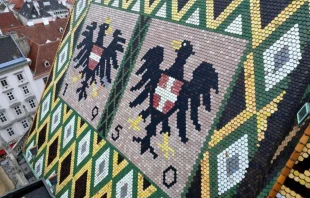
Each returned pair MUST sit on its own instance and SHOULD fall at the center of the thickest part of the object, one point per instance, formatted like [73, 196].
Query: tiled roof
[39, 54]
[8, 20]
[43, 41]
[70, 1]
[9, 52]
[40, 33]
[40, 49]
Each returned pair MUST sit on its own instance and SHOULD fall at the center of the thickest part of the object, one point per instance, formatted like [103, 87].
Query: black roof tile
[8, 51]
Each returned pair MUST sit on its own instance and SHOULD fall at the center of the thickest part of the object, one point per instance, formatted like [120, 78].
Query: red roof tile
[40, 50]
[8, 21]
[70, 1]
[40, 33]
[39, 54]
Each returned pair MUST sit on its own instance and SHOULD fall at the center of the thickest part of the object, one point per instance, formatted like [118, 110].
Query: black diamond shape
[220, 6]
[52, 151]
[181, 4]
[65, 168]
[120, 159]
[271, 9]
[99, 138]
[68, 109]
[105, 195]
[151, 2]
[146, 183]
[80, 186]
[82, 122]
[33, 125]
[195, 186]
[42, 136]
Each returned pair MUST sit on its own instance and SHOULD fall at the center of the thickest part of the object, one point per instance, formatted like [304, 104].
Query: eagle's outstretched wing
[151, 73]
[86, 46]
[204, 79]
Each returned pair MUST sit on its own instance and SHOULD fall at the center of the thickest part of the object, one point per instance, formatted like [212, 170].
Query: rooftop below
[8, 20]
[9, 52]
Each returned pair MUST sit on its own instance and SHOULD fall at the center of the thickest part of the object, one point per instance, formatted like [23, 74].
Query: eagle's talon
[184, 140]
[198, 127]
[130, 104]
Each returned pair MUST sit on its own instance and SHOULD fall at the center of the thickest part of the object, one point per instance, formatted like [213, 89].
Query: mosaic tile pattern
[168, 144]
[96, 59]
[235, 159]
[191, 98]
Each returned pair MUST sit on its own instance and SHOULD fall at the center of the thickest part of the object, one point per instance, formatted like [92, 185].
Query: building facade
[19, 92]
[39, 43]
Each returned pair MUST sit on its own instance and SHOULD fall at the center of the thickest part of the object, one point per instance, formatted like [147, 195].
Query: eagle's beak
[108, 21]
[176, 44]
[109, 30]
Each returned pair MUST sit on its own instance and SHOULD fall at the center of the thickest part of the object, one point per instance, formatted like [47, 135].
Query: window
[10, 131]
[20, 77]
[45, 80]
[4, 83]
[26, 90]
[2, 117]
[25, 124]
[18, 110]
[46, 63]
[32, 103]
[10, 96]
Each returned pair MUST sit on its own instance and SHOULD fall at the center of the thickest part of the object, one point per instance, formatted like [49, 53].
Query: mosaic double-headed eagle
[96, 59]
[168, 92]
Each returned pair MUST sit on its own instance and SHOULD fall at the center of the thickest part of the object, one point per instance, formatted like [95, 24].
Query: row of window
[19, 76]
[24, 123]
[10, 131]
[11, 96]
[61, 12]
[17, 109]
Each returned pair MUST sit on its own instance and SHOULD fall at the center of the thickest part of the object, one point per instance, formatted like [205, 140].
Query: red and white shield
[166, 93]
[94, 57]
